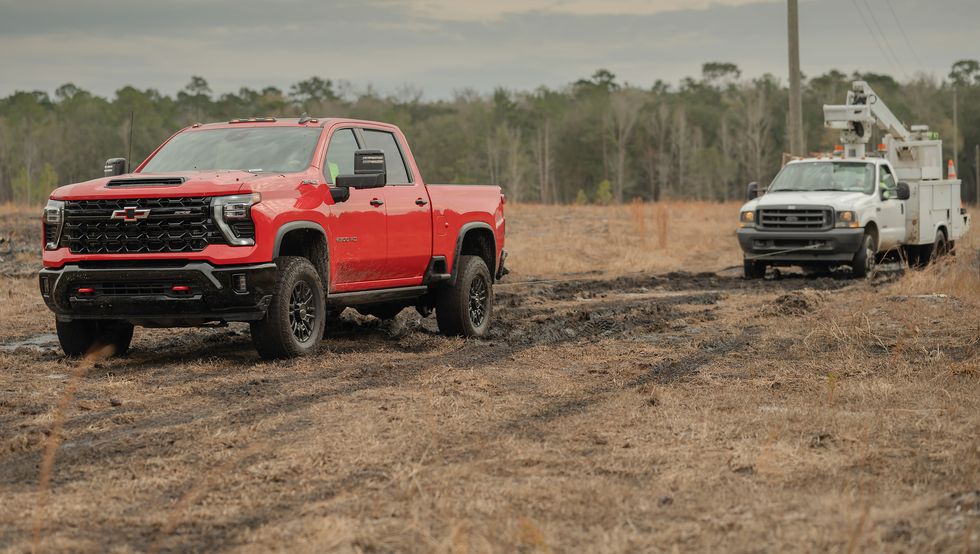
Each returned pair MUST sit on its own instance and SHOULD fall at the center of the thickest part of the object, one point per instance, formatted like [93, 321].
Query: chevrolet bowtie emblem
[130, 214]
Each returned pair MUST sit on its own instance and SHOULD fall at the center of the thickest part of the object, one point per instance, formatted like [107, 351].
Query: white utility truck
[853, 208]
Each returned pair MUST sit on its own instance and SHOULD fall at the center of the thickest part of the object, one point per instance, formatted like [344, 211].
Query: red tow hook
[180, 289]
[86, 290]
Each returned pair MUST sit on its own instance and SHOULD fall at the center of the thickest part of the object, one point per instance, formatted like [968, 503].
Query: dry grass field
[636, 395]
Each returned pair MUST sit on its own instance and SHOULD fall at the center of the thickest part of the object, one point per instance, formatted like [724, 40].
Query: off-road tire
[79, 337]
[466, 308]
[288, 329]
[863, 264]
[752, 269]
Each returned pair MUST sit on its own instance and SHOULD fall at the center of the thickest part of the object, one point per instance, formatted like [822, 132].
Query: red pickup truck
[278, 222]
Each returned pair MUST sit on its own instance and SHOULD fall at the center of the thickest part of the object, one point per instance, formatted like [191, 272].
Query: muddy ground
[668, 412]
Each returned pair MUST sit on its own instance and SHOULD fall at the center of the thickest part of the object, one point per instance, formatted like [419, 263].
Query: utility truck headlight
[746, 219]
[233, 215]
[847, 219]
[53, 221]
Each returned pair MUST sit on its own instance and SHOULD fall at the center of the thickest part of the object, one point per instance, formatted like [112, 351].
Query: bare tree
[624, 111]
[753, 119]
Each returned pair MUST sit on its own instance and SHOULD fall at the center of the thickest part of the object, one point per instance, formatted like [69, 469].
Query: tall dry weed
[95, 355]
[662, 217]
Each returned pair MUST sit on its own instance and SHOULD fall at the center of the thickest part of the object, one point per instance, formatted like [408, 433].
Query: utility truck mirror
[902, 191]
[114, 166]
[752, 191]
[369, 171]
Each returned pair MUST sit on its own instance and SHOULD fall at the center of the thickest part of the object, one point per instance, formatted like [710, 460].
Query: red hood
[204, 183]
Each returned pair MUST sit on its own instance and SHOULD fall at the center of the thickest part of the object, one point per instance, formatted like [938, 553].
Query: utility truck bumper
[786, 247]
[159, 294]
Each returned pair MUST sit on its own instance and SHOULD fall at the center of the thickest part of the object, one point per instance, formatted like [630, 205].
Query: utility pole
[796, 145]
[956, 133]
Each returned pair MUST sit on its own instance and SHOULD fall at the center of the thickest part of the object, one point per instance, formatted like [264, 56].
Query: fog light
[239, 284]
[45, 286]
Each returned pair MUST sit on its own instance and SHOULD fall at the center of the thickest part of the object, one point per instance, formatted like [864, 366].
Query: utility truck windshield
[817, 176]
[253, 149]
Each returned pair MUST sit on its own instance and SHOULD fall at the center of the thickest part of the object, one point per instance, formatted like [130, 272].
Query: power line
[908, 42]
[888, 45]
[872, 33]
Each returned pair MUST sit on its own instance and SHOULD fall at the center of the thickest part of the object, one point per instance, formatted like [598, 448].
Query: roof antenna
[129, 156]
[305, 118]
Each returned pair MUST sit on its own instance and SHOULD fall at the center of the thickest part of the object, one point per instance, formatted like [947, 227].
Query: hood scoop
[147, 182]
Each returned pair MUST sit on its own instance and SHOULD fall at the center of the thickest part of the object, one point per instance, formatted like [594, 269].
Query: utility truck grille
[139, 225]
[796, 219]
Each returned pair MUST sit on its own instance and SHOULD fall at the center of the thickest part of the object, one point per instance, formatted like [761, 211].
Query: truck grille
[139, 225]
[796, 219]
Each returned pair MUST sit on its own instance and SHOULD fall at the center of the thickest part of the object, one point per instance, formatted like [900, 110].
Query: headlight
[53, 221]
[847, 219]
[233, 215]
[746, 219]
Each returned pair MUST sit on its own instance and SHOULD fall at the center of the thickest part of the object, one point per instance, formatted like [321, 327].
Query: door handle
[421, 202]
[376, 202]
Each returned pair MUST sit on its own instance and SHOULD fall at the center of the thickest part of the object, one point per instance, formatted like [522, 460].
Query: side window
[395, 162]
[340, 154]
[887, 179]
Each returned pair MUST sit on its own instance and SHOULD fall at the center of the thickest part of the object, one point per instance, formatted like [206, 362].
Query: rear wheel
[863, 264]
[753, 269]
[466, 307]
[940, 247]
[294, 322]
[80, 337]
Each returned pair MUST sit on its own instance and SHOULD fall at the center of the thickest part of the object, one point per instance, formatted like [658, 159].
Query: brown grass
[793, 415]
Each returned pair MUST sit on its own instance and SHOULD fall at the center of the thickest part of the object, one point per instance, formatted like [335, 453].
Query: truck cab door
[408, 209]
[891, 210]
[358, 232]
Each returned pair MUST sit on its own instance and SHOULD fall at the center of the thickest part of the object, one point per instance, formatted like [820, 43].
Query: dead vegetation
[612, 410]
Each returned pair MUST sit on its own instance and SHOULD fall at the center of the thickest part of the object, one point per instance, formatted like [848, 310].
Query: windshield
[812, 176]
[252, 149]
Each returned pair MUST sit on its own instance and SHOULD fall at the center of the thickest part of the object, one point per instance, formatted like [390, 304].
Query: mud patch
[798, 302]
[41, 343]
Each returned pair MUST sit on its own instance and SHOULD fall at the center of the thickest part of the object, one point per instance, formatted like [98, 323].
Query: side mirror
[902, 191]
[752, 191]
[114, 166]
[369, 171]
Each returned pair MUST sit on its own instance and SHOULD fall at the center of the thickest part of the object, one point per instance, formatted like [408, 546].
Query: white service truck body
[851, 208]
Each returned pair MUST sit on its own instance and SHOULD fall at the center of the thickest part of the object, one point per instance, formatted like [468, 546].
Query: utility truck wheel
[79, 337]
[465, 308]
[752, 269]
[294, 322]
[940, 247]
[863, 264]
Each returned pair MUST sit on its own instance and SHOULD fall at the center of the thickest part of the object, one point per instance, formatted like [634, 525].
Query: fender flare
[293, 226]
[459, 246]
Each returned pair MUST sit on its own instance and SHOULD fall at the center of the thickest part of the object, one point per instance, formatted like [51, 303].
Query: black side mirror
[752, 191]
[369, 171]
[114, 166]
[902, 191]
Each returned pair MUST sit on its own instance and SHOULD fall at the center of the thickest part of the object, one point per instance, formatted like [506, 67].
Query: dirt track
[689, 411]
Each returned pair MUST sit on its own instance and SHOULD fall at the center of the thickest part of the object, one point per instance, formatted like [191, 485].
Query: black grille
[171, 225]
[796, 219]
[146, 182]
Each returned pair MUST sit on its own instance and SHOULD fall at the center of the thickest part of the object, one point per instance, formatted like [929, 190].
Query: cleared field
[636, 395]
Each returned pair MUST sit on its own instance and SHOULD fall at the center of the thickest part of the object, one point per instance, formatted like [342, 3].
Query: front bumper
[834, 245]
[158, 293]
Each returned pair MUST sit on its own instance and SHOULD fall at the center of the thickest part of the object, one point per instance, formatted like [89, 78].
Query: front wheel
[863, 264]
[80, 337]
[465, 308]
[752, 269]
[294, 322]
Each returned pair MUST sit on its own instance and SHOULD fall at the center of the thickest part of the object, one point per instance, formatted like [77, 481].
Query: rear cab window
[385, 141]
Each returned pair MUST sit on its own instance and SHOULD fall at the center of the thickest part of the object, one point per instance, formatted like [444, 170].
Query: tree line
[594, 140]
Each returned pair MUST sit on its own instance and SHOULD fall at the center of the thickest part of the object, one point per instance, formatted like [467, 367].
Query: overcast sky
[444, 45]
